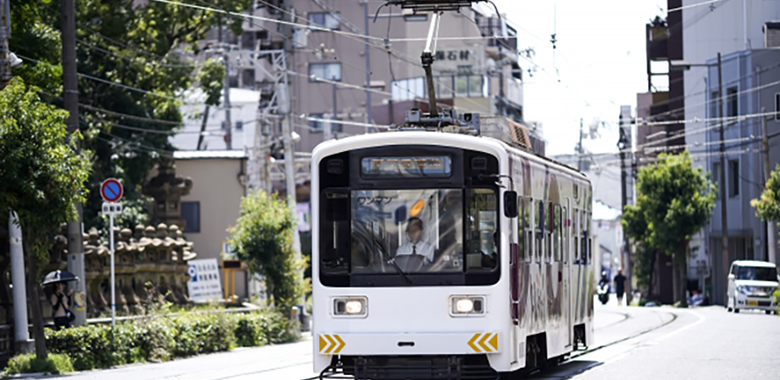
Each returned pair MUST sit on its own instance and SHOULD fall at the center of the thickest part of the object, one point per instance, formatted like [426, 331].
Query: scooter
[603, 293]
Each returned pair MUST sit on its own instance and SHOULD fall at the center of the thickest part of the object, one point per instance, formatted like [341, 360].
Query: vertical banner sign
[204, 285]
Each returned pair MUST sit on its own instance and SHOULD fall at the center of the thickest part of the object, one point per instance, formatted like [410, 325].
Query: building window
[733, 102]
[248, 78]
[317, 126]
[224, 125]
[733, 178]
[330, 71]
[408, 89]
[325, 20]
[777, 106]
[190, 212]
[239, 125]
[714, 103]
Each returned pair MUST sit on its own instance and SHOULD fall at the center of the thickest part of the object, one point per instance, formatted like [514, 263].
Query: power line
[692, 6]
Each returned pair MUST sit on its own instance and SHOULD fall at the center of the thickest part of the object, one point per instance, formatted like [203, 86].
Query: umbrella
[59, 276]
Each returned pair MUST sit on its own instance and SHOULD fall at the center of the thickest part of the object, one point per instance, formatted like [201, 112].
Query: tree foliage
[41, 177]
[263, 237]
[674, 202]
[141, 56]
[768, 206]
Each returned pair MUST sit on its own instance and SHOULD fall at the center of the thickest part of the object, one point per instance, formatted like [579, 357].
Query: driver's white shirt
[421, 248]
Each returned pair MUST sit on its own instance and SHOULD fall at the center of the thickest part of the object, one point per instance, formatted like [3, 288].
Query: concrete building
[213, 204]
[751, 81]
[328, 72]
[736, 30]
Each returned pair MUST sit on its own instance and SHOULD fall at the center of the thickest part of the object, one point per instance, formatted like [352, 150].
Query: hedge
[163, 338]
[29, 363]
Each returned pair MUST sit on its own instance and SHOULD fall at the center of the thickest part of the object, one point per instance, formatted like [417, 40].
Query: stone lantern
[167, 189]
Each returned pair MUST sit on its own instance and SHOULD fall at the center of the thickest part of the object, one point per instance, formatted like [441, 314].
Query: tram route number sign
[111, 190]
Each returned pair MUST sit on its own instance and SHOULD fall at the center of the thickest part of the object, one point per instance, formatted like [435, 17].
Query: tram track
[636, 335]
[626, 317]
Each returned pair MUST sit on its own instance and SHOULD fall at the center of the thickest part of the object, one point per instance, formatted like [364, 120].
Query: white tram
[447, 256]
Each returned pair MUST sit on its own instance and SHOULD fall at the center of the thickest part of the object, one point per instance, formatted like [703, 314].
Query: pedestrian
[60, 302]
[620, 286]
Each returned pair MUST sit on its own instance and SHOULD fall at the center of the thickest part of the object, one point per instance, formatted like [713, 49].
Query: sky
[597, 66]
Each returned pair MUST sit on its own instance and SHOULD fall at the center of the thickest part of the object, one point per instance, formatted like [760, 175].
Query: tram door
[567, 265]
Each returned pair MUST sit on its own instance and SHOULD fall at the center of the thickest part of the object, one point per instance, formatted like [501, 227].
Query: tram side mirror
[510, 204]
[400, 214]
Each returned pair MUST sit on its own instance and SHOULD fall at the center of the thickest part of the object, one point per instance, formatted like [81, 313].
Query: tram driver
[415, 245]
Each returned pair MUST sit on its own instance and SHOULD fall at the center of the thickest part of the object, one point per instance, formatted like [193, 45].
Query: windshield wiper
[392, 262]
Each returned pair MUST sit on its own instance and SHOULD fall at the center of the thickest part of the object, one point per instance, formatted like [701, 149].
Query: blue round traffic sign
[111, 190]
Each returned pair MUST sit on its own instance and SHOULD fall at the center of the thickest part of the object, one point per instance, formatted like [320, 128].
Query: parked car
[752, 285]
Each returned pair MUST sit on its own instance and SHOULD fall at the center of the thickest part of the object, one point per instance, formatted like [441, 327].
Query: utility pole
[580, 150]
[369, 116]
[624, 144]
[771, 233]
[71, 102]
[226, 96]
[723, 194]
[5, 35]
[285, 109]
[22, 342]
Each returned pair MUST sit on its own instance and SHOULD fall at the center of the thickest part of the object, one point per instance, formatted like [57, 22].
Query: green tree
[42, 179]
[674, 202]
[768, 206]
[263, 237]
[134, 61]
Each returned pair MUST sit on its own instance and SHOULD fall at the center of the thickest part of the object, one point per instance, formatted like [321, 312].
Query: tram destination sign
[404, 167]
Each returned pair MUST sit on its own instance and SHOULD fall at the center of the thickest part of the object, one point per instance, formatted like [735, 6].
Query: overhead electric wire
[692, 6]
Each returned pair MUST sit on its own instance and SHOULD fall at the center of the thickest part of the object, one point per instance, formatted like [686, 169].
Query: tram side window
[585, 255]
[529, 230]
[548, 254]
[576, 235]
[557, 234]
[566, 229]
[539, 243]
[590, 238]
[522, 222]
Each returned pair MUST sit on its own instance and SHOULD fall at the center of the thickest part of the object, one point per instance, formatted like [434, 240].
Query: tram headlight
[464, 305]
[467, 306]
[350, 306]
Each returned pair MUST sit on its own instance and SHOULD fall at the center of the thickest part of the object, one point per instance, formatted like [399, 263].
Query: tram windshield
[423, 230]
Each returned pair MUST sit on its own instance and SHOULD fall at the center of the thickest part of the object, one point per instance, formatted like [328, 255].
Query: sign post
[111, 191]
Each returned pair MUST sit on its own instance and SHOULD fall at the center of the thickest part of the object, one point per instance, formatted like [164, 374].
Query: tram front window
[422, 231]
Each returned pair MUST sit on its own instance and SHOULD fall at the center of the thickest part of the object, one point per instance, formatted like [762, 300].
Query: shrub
[162, 338]
[29, 363]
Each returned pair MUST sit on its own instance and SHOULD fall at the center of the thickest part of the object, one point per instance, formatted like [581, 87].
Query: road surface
[631, 343]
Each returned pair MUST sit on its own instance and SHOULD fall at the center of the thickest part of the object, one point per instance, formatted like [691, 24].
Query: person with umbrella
[60, 298]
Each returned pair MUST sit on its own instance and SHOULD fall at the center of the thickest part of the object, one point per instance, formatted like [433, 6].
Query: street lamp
[683, 65]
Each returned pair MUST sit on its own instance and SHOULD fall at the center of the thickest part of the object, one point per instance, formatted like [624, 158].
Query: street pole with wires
[5, 35]
[71, 104]
[580, 150]
[226, 96]
[369, 116]
[771, 227]
[722, 184]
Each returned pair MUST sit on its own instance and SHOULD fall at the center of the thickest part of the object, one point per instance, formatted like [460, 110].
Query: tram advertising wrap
[439, 255]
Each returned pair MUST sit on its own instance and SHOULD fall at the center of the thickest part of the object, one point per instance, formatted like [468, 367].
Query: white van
[751, 286]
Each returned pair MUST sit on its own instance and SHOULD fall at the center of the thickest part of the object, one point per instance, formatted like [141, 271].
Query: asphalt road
[631, 343]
